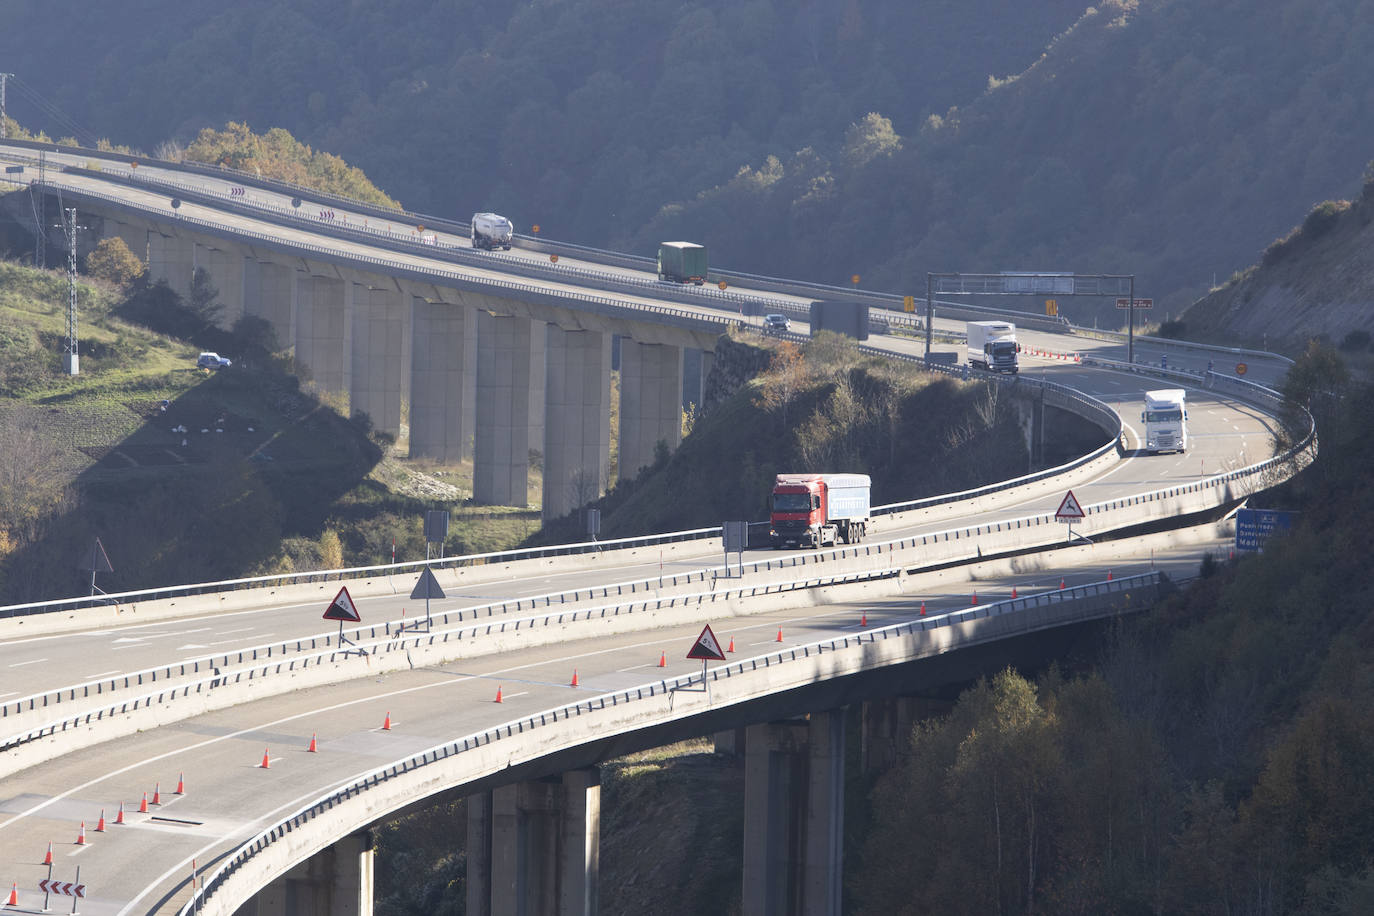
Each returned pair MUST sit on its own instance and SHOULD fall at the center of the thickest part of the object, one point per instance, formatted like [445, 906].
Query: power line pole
[70, 360]
[38, 201]
[3, 128]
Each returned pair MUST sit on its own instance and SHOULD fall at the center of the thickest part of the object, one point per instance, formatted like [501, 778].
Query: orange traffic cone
[119, 818]
[863, 621]
[312, 748]
[663, 659]
[732, 645]
[1109, 575]
[157, 793]
[100, 824]
[975, 599]
[498, 694]
[923, 608]
[143, 805]
[81, 837]
[386, 725]
[14, 896]
[47, 859]
[181, 784]
[1061, 583]
[266, 761]
[779, 639]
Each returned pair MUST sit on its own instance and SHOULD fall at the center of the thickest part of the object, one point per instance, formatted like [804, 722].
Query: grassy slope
[254, 497]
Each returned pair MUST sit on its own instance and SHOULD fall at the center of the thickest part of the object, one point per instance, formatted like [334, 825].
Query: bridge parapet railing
[874, 560]
[234, 881]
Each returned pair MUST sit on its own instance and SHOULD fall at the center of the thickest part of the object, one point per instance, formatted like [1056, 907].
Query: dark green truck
[682, 262]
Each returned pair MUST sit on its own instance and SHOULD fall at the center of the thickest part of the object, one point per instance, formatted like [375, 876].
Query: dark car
[775, 325]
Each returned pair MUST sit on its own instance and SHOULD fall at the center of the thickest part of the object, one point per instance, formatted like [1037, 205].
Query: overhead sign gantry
[1032, 283]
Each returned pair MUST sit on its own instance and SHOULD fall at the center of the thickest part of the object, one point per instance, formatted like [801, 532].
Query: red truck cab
[816, 509]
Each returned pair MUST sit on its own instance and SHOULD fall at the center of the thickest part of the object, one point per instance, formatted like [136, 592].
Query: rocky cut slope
[1316, 281]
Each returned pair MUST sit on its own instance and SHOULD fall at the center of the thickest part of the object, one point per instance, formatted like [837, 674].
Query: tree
[204, 301]
[871, 137]
[331, 550]
[786, 375]
[113, 262]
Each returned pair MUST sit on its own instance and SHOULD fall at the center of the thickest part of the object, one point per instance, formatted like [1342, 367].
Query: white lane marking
[8, 693]
[637, 667]
[223, 632]
[32, 661]
[522, 693]
[91, 677]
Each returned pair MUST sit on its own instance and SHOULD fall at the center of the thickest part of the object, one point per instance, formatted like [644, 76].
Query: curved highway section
[225, 694]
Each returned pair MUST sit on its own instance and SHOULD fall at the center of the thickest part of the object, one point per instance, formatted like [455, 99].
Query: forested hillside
[1161, 138]
[583, 115]
[1169, 140]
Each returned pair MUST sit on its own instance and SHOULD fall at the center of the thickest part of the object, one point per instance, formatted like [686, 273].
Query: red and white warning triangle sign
[707, 646]
[1069, 509]
[342, 608]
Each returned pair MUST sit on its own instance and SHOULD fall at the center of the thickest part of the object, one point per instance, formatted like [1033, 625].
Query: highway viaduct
[533, 791]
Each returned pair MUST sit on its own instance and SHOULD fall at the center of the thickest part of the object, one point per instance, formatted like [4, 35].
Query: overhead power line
[68, 126]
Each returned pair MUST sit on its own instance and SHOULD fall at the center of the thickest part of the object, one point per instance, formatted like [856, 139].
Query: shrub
[1321, 218]
[1173, 329]
[1355, 341]
[113, 262]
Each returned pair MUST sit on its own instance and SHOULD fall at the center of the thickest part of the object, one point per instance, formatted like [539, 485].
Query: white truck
[491, 231]
[1166, 420]
[992, 346]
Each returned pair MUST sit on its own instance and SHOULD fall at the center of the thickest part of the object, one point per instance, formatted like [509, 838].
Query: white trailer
[491, 231]
[992, 346]
[1166, 420]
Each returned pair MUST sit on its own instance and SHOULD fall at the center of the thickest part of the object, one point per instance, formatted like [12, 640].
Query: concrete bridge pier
[337, 881]
[650, 402]
[270, 295]
[324, 332]
[226, 267]
[886, 725]
[380, 351]
[172, 259]
[509, 351]
[533, 847]
[794, 816]
[696, 369]
[443, 380]
[577, 419]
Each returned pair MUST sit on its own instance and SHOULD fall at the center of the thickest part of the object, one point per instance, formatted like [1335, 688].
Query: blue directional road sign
[1255, 526]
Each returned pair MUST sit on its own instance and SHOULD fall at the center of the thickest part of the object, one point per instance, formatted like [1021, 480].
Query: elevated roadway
[145, 864]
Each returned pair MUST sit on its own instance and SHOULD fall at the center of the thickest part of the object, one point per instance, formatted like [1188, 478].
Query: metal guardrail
[884, 301]
[279, 580]
[968, 534]
[1093, 406]
[1140, 584]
